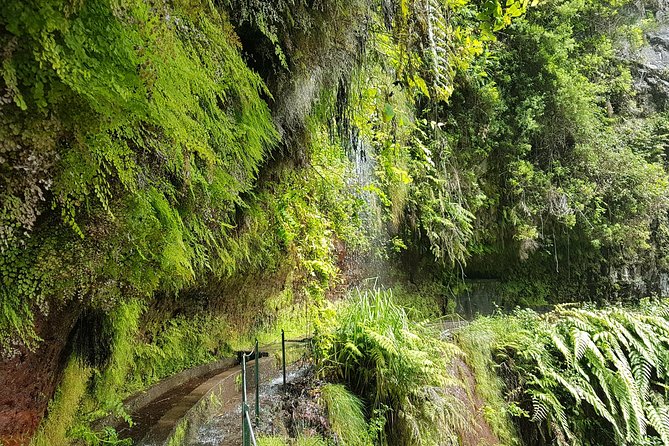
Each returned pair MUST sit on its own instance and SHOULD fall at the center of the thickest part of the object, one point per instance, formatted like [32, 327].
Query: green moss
[428, 299]
[110, 386]
[64, 407]
[179, 436]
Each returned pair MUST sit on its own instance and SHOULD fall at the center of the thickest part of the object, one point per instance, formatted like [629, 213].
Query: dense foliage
[346, 416]
[584, 194]
[136, 126]
[134, 133]
[132, 138]
[160, 158]
[582, 376]
[397, 366]
[539, 154]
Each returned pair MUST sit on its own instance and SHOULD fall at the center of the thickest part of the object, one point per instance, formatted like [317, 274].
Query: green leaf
[388, 113]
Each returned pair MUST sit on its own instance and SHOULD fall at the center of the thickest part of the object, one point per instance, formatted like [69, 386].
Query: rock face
[655, 56]
[481, 297]
[29, 378]
[652, 71]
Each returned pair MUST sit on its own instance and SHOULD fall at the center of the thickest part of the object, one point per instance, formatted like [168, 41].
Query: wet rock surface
[29, 377]
[302, 414]
[652, 70]
[655, 56]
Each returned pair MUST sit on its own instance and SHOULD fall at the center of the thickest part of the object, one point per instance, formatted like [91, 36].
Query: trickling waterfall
[359, 152]
[365, 264]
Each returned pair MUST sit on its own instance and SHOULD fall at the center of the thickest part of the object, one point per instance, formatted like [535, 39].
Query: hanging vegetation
[170, 166]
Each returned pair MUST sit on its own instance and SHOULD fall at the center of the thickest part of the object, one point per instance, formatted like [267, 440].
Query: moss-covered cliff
[177, 174]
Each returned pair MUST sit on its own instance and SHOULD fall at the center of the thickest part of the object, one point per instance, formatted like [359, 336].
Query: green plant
[156, 155]
[179, 436]
[153, 134]
[64, 406]
[578, 374]
[346, 415]
[271, 441]
[390, 361]
[310, 441]
[300, 441]
[107, 436]
[477, 341]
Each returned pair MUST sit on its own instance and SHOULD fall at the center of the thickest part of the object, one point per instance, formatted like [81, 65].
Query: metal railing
[248, 436]
[449, 324]
[283, 351]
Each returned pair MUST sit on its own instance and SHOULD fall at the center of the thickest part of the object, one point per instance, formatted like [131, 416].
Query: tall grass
[399, 368]
[63, 408]
[346, 415]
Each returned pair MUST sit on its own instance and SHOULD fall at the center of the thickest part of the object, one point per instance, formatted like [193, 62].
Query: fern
[379, 354]
[439, 32]
[608, 366]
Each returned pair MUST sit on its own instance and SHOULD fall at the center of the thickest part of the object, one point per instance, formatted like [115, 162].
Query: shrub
[396, 366]
[574, 375]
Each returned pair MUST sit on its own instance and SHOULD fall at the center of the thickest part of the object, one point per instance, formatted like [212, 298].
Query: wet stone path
[150, 415]
[209, 403]
[223, 426]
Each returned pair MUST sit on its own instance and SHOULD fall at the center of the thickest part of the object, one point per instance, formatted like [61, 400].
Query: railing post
[283, 355]
[245, 428]
[252, 435]
[257, 384]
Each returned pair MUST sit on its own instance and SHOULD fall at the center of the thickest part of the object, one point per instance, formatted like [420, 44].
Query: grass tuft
[346, 415]
[271, 441]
